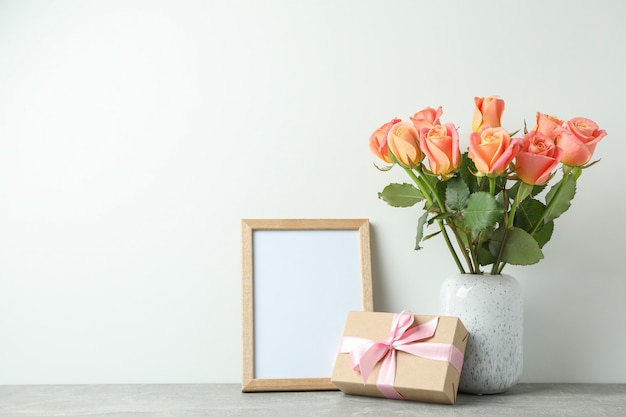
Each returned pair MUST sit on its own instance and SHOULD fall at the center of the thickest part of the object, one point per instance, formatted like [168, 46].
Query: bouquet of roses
[486, 201]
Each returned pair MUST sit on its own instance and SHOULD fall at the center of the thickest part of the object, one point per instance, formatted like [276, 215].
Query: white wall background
[135, 135]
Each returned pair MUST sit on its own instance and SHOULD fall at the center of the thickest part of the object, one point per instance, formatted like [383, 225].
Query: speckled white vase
[491, 308]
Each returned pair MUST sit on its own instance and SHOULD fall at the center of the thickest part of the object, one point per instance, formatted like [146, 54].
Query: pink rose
[537, 159]
[492, 150]
[441, 145]
[378, 141]
[402, 141]
[578, 139]
[427, 118]
[487, 112]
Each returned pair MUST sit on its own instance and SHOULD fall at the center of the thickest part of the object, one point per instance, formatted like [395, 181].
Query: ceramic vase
[491, 308]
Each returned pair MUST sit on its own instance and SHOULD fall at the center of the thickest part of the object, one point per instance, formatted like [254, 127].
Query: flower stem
[523, 191]
[426, 189]
[498, 265]
[567, 173]
[442, 207]
[492, 186]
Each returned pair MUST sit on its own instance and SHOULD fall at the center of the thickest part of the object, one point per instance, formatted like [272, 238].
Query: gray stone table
[225, 400]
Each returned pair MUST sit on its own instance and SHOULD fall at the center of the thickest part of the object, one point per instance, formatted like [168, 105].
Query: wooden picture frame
[300, 279]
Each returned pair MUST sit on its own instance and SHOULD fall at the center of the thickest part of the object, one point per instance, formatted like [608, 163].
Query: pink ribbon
[366, 353]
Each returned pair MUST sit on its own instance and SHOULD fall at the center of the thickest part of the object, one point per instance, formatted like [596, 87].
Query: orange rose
[537, 159]
[441, 145]
[378, 141]
[492, 150]
[402, 141]
[578, 139]
[487, 113]
[548, 125]
[427, 118]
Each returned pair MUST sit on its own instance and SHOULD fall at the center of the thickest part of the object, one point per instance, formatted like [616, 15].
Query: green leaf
[543, 235]
[484, 256]
[457, 194]
[528, 214]
[425, 238]
[482, 211]
[520, 247]
[466, 171]
[401, 195]
[563, 199]
[500, 184]
[420, 230]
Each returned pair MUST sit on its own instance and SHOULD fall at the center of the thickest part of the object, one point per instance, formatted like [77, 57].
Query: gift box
[401, 356]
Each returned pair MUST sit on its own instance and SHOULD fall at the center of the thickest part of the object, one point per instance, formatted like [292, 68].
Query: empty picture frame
[300, 279]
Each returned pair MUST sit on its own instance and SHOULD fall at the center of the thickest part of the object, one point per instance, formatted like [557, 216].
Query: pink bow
[365, 353]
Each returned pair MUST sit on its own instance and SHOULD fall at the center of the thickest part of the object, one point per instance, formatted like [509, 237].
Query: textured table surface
[227, 400]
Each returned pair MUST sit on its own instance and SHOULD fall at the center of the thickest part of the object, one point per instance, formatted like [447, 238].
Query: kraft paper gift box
[401, 356]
